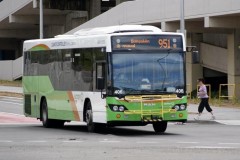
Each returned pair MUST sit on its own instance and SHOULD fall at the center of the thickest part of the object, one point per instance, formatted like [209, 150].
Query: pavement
[224, 114]
[221, 113]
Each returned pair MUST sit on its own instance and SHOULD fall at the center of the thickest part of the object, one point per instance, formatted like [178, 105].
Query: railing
[145, 113]
[231, 91]
[189, 91]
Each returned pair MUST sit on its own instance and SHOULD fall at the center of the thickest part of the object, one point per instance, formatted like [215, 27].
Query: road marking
[20, 104]
[229, 143]
[18, 124]
[39, 141]
[11, 100]
[13, 119]
[209, 147]
[229, 122]
[5, 141]
[13, 114]
[188, 142]
[107, 141]
[147, 142]
[72, 141]
[11, 97]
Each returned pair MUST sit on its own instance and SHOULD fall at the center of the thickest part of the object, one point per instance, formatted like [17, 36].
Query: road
[195, 140]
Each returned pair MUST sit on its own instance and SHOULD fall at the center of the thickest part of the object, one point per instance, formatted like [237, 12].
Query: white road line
[229, 143]
[109, 141]
[11, 97]
[229, 122]
[188, 142]
[39, 141]
[209, 147]
[20, 104]
[5, 141]
[147, 142]
[11, 100]
[18, 124]
[72, 141]
[14, 114]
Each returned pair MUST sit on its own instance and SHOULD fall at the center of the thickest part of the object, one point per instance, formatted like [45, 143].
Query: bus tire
[47, 123]
[91, 126]
[160, 127]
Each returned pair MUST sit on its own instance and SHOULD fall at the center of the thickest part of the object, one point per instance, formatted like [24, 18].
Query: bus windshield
[147, 73]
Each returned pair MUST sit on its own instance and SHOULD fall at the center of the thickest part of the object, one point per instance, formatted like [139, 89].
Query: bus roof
[90, 38]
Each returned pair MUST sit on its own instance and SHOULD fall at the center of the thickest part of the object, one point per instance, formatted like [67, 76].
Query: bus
[128, 75]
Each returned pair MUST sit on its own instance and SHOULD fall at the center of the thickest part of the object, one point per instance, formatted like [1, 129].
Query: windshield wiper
[163, 92]
[126, 91]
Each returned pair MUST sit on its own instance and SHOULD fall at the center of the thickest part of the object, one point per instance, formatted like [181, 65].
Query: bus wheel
[160, 127]
[44, 115]
[89, 118]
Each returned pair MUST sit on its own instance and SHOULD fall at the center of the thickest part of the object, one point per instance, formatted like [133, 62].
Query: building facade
[19, 21]
[211, 25]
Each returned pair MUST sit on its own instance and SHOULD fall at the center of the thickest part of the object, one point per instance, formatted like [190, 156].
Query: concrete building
[211, 25]
[19, 21]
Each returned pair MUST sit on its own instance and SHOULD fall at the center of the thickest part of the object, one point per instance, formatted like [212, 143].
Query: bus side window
[77, 55]
[27, 62]
[100, 75]
[66, 60]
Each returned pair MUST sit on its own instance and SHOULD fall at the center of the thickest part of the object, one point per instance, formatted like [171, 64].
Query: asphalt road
[202, 140]
[11, 105]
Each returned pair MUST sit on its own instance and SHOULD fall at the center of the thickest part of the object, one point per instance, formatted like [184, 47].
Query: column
[194, 70]
[234, 62]
[94, 8]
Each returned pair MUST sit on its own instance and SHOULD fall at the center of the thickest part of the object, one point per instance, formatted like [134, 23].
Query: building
[211, 25]
[19, 21]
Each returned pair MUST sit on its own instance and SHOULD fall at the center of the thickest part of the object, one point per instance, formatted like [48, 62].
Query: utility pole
[182, 23]
[41, 19]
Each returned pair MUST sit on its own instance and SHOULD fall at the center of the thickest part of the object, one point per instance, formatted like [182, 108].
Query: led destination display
[154, 42]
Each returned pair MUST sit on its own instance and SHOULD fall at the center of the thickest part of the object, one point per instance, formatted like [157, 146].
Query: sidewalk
[221, 113]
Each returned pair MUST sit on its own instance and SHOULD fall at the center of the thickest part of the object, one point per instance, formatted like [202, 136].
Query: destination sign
[149, 42]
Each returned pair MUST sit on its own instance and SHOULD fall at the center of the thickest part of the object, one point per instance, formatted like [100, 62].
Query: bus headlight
[182, 107]
[121, 108]
[115, 108]
[176, 107]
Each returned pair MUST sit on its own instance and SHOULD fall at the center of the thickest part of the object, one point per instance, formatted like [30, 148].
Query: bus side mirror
[195, 57]
[195, 53]
[100, 83]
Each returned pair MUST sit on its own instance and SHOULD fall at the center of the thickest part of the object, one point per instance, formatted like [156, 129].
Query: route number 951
[164, 43]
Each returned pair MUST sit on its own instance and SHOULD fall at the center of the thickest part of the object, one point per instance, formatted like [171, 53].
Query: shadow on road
[118, 131]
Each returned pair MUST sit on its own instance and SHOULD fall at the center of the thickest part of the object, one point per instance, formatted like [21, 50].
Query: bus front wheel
[160, 127]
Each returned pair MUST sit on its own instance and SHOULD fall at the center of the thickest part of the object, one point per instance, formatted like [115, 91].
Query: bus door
[100, 77]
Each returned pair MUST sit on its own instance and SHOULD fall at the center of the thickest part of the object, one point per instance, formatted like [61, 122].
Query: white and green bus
[118, 75]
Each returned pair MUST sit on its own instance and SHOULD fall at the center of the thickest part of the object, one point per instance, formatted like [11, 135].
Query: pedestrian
[202, 94]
